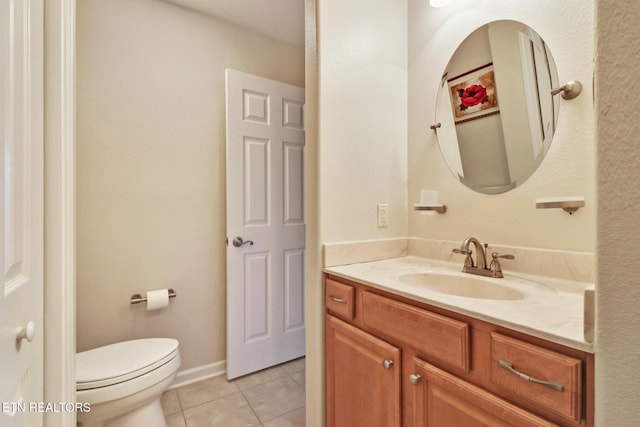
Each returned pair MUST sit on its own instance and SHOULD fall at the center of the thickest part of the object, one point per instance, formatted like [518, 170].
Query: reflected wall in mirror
[494, 105]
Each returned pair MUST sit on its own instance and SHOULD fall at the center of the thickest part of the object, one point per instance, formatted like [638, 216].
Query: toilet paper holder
[138, 298]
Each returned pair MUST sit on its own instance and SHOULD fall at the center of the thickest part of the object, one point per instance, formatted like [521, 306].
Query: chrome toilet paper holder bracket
[138, 298]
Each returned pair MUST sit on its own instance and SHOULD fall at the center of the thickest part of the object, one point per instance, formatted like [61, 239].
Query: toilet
[123, 382]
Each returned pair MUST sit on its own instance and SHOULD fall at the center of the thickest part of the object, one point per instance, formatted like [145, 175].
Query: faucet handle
[462, 251]
[496, 255]
[468, 261]
[495, 267]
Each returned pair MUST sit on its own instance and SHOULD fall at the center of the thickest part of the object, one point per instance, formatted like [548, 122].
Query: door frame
[59, 208]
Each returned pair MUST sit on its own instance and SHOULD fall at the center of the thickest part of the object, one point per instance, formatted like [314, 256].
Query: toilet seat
[120, 362]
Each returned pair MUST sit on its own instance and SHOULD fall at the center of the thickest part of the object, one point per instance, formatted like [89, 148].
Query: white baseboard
[199, 373]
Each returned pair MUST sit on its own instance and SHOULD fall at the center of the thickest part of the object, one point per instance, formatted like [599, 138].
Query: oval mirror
[494, 107]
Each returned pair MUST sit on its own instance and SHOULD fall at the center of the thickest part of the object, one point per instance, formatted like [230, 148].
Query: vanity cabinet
[393, 361]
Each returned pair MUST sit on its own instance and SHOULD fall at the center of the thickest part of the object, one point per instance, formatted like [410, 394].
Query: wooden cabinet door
[444, 400]
[363, 378]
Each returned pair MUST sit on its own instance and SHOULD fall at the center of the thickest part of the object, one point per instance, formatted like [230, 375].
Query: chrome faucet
[480, 266]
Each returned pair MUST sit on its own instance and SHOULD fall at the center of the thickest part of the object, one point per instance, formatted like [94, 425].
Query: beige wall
[618, 289]
[568, 169]
[151, 167]
[362, 116]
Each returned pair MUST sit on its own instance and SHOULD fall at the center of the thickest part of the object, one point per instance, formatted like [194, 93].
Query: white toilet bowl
[123, 382]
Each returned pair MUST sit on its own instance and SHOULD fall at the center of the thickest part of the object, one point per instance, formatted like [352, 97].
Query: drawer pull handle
[415, 379]
[336, 299]
[508, 366]
[387, 364]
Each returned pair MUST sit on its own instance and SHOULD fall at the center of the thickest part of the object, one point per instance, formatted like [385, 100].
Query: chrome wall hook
[569, 90]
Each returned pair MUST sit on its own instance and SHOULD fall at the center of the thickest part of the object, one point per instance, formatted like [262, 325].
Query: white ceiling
[280, 19]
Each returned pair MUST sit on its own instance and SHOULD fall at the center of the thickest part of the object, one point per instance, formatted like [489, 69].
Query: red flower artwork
[472, 95]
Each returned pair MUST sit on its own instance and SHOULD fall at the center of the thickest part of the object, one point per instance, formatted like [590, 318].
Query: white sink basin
[466, 285]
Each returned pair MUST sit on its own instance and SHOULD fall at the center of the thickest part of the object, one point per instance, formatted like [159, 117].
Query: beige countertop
[552, 309]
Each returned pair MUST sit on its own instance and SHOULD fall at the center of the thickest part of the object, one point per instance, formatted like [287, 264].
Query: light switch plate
[383, 215]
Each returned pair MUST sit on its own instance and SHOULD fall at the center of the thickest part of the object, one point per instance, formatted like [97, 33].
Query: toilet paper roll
[157, 299]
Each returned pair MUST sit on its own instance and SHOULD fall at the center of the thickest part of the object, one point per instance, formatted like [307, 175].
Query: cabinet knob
[415, 378]
[387, 364]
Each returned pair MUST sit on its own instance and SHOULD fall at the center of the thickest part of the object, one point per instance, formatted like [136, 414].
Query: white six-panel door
[265, 223]
[21, 215]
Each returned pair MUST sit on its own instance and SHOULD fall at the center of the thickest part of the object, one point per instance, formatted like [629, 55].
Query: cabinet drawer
[339, 299]
[545, 377]
[440, 337]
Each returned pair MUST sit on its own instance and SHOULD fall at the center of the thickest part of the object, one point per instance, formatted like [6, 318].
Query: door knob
[387, 364]
[26, 332]
[237, 242]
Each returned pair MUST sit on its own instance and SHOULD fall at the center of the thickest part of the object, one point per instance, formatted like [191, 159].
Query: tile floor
[273, 397]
